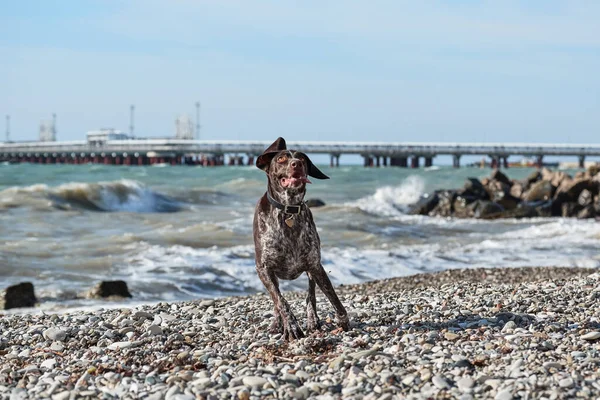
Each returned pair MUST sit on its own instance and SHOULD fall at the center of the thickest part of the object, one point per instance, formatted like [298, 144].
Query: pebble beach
[476, 333]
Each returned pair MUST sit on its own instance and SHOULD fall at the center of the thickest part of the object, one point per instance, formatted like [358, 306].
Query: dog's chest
[290, 251]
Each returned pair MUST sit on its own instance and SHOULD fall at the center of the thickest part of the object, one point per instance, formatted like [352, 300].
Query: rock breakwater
[543, 193]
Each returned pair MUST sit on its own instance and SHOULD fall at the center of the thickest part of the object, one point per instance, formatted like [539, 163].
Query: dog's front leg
[321, 278]
[313, 322]
[283, 312]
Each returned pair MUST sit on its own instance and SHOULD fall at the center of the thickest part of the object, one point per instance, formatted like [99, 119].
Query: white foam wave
[392, 200]
[197, 272]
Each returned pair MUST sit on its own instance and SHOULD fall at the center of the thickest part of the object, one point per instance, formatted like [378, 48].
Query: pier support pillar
[385, 161]
[250, 160]
[582, 162]
[334, 160]
[456, 161]
[494, 163]
[428, 161]
[378, 161]
[414, 162]
[539, 162]
[399, 162]
[505, 161]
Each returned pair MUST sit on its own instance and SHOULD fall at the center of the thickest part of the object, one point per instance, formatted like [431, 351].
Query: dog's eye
[282, 159]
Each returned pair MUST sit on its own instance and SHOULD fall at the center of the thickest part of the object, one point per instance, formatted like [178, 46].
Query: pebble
[120, 345]
[254, 381]
[465, 383]
[49, 363]
[595, 335]
[55, 334]
[505, 394]
[566, 383]
[155, 330]
[57, 346]
[440, 382]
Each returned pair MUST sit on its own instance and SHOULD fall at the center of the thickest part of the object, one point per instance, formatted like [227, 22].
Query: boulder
[587, 212]
[497, 190]
[109, 289]
[315, 203]
[569, 209]
[539, 191]
[444, 207]
[593, 170]
[533, 177]
[573, 188]
[473, 187]
[546, 174]
[461, 206]
[485, 209]
[497, 175]
[17, 296]
[542, 208]
[586, 198]
[517, 189]
[425, 205]
[559, 178]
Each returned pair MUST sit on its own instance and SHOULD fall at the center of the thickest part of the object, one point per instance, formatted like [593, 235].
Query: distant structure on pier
[101, 136]
[48, 130]
[184, 128]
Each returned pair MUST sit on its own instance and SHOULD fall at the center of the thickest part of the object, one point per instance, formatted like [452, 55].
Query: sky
[444, 71]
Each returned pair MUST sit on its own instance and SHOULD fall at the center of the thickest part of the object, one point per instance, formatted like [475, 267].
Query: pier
[238, 152]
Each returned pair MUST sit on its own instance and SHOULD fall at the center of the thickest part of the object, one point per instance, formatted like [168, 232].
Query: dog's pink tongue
[287, 182]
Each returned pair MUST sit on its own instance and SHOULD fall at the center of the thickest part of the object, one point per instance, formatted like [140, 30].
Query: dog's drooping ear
[312, 170]
[265, 158]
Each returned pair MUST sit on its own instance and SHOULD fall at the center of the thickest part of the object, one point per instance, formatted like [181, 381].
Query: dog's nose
[294, 164]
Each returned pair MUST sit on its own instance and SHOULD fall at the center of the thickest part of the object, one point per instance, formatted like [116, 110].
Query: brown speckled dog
[286, 239]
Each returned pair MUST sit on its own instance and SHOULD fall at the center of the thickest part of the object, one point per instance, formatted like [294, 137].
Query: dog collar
[285, 208]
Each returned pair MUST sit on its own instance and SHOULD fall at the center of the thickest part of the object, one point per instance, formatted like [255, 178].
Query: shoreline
[474, 333]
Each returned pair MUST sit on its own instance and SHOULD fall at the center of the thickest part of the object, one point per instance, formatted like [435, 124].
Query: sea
[180, 233]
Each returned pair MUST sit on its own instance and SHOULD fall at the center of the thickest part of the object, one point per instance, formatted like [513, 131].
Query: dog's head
[287, 170]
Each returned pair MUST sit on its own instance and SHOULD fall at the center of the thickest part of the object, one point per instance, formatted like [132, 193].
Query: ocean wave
[389, 201]
[123, 195]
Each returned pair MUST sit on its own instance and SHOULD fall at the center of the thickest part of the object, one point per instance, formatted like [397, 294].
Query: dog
[286, 240]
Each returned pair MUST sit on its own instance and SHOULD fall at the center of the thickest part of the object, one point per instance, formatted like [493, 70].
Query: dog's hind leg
[321, 278]
[313, 323]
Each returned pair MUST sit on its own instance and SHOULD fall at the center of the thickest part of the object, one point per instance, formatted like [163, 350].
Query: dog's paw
[276, 326]
[343, 322]
[291, 328]
[313, 324]
[312, 321]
